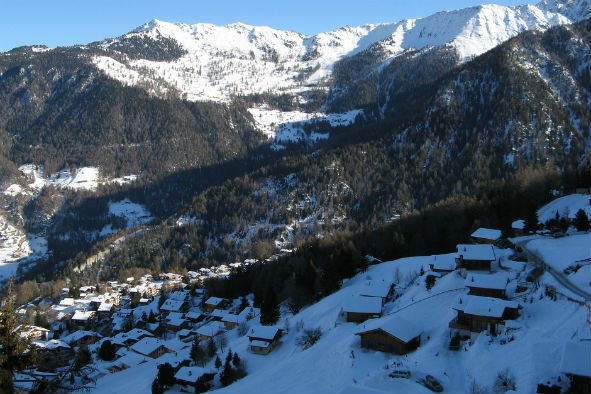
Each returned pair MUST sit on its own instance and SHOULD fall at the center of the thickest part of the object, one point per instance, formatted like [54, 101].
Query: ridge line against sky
[68, 22]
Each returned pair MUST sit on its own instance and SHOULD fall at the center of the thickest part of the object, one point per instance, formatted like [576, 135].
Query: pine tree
[581, 221]
[107, 351]
[211, 348]
[218, 362]
[197, 353]
[270, 307]
[14, 351]
[531, 219]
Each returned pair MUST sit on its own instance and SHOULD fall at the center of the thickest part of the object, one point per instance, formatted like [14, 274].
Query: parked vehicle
[401, 374]
[432, 384]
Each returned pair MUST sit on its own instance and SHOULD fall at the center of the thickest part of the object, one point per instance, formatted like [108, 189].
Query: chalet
[264, 338]
[127, 360]
[487, 285]
[171, 305]
[83, 319]
[486, 236]
[132, 336]
[67, 302]
[175, 321]
[576, 364]
[210, 330]
[476, 257]
[104, 311]
[358, 308]
[151, 347]
[518, 227]
[477, 314]
[194, 316]
[444, 264]
[214, 303]
[187, 376]
[34, 332]
[393, 335]
[117, 344]
[186, 335]
[219, 314]
[232, 321]
[82, 338]
[53, 354]
[378, 289]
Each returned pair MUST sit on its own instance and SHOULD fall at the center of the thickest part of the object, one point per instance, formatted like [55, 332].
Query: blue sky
[67, 22]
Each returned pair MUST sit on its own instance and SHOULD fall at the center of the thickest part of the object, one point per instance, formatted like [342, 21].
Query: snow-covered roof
[263, 332]
[191, 374]
[172, 305]
[214, 301]
[497, 281]
[105, 307]
[485, 306]
[77, 335]
[250, 311]
[258, 343]
[193, 315]
[445, 262]
[360, 304]
[178, 295]
[174, 315]
[375, 289]
[51, 344]
[518, 224]
[230, 318]
[134, 334]
[576, 359]
[487, 233]
[147, 345]
[83, 315]
[211, 329]
[402, 329]
[67, 302]
[477, 252]
[219, 313]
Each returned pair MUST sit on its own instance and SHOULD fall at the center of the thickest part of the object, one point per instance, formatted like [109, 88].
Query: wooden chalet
[188, 376]
[171, 305]
[476, 257]
[379, 289]
[264, 338]
[175, 321]
[576, 365]
[82, 338]
[443, 264]
[393, 335]
[53, 354]
[213, 303]
[210, 330]
[132, 336]
[477, 314]
[34, 332]
[83, 319]
[151, 347]
[358, 308]
[518, 227]
[486, 236]
[488, 285]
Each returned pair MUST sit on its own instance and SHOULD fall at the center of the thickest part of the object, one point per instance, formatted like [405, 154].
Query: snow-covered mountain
[217, 62]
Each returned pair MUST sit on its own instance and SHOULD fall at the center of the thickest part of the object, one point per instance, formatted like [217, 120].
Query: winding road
[558, 275]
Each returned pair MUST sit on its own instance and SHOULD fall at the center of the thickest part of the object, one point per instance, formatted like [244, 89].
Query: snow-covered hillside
[221, 61]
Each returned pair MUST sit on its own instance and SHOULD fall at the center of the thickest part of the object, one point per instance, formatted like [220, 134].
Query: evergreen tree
[581, 221]
[197, 353]
[14, 351]
[270, 307]
[107, 351]
[211, 348]
[531, 219]
[236, 360]
[218, 362]
[166, 374]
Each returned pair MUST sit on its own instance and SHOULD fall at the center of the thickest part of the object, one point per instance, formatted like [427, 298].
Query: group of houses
[484, 308]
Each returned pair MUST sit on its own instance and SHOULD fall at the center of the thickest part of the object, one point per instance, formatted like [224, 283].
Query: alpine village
[398, 207]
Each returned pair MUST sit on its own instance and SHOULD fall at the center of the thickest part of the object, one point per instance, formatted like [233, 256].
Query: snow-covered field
[16, 245]
[566, 206]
